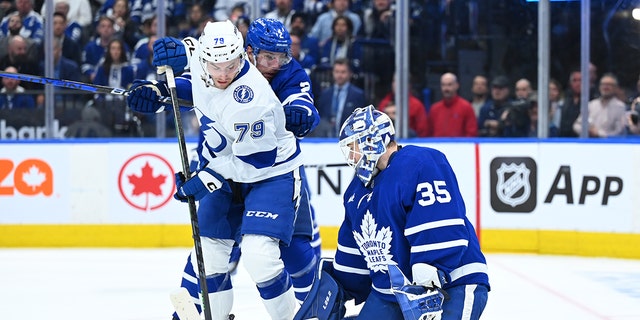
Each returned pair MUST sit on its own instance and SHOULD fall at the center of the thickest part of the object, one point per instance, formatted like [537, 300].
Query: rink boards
[553, 196]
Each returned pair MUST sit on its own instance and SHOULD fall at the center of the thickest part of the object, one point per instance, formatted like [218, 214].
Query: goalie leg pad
[325, 300]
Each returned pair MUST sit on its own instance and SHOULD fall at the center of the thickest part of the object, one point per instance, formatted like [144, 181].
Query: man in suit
[68, 103]
[70, 48]
[338, 101]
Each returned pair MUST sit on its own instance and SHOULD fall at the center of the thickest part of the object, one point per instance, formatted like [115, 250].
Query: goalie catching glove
[423, 299]
[143, 96]
[169, 51]
[201, 184]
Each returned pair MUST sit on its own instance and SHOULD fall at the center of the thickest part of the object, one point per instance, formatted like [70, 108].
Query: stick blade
[183, 303]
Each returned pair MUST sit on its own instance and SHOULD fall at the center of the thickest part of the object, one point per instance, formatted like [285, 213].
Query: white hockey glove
[417, 302]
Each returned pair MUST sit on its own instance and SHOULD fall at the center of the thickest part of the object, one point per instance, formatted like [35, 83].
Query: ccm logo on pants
[262, 214]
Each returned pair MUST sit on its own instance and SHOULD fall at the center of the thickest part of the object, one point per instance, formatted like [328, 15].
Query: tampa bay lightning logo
[243, 94]
[215, 141]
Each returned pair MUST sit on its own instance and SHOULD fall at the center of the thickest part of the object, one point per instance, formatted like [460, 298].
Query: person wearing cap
[489, 117]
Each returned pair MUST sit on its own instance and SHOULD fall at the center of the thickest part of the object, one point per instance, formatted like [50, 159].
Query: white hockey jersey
[243, 127]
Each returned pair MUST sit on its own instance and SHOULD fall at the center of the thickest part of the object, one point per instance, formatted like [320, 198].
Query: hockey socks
[220, 295]
[278, 297]
[300, 261]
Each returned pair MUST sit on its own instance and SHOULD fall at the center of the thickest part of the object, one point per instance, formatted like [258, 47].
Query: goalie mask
[221, 52]
[364, 137]
[270, 42]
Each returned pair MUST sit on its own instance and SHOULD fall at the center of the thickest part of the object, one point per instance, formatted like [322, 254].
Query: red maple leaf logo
[147, 183]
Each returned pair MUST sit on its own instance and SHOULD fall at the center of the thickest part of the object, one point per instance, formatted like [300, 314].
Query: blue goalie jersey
[413, 212]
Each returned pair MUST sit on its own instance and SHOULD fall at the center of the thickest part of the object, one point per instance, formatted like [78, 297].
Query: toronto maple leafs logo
[374, 244]
[243, 94]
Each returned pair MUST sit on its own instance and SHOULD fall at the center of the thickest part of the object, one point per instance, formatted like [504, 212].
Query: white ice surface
[134, 284]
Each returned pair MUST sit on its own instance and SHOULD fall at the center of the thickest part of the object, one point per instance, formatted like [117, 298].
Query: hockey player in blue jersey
[269, 49]
[405, 248]
[248, 180]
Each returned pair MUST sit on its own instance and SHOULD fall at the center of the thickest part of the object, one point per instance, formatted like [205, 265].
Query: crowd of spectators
[346, 46]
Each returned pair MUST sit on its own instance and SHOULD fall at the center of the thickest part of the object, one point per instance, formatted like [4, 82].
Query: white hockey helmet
[220, 42]
[371, 130]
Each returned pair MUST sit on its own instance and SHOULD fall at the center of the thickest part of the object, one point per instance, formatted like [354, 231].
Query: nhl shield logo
[507, 188]
[513, 184]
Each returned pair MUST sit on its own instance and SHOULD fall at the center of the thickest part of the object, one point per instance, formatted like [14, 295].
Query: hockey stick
[195, 228]
[95, 88]
[183, 303]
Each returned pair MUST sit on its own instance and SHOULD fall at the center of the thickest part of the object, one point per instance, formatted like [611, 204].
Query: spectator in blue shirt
[32, 23]
[322, 28]
[94, 50]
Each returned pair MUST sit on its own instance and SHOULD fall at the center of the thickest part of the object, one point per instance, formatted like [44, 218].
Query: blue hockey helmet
[364, 137]
[269, 35]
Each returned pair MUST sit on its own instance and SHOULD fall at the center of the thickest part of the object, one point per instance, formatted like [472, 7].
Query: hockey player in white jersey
[405, 243]
[268, 47]
[249, 178]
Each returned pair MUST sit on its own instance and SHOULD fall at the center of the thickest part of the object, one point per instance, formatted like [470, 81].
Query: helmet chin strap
[208, 82]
